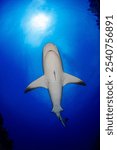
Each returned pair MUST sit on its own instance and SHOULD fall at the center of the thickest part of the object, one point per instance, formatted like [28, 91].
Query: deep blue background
[28, 117]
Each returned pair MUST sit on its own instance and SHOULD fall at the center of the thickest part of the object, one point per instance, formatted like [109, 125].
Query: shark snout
[48, 48]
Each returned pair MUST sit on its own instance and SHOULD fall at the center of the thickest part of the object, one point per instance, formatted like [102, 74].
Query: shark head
[50, 48]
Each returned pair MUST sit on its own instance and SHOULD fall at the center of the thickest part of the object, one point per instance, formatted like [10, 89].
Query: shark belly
[54, 73]
[54, 78]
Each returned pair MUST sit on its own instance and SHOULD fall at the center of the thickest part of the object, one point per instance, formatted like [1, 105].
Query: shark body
[54, 78]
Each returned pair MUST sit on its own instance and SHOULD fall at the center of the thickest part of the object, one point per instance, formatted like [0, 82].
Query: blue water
[28, 117]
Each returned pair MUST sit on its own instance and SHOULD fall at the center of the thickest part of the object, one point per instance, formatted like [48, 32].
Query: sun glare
[40, 22]
[37, 25]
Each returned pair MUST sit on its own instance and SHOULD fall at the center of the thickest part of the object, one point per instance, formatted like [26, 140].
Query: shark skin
[54, 78]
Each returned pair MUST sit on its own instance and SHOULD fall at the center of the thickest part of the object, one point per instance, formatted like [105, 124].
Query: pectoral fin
[67, 78]
[40, 82]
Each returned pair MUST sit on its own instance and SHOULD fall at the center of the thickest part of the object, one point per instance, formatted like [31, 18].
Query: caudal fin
[63, 121]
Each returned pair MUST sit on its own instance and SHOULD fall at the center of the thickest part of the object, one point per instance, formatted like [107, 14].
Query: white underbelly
[53, 67]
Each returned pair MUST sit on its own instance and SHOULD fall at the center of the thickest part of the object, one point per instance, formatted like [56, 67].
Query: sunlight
[37, 25]
[40, 22]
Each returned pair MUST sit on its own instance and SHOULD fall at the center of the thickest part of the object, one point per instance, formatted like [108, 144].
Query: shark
[54, 78]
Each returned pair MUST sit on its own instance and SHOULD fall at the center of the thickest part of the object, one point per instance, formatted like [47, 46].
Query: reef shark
[54, 78]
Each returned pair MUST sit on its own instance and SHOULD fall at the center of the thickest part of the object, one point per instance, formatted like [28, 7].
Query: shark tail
[57, 110]
[63, 121]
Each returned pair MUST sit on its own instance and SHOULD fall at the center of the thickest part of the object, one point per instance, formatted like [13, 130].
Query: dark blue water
[28, 117]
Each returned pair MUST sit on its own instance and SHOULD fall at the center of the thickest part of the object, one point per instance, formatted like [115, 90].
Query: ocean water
[27, 117]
